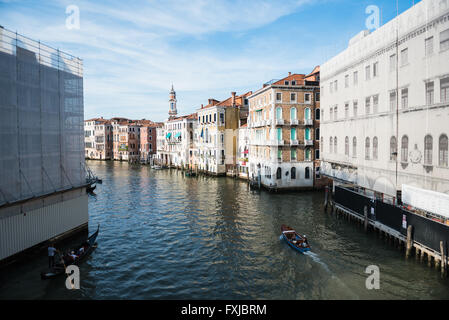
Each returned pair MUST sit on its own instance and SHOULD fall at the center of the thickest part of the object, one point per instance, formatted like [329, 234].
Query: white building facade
[385, 105]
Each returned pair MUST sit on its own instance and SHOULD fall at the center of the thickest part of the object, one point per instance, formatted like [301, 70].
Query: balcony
[276, 143]
[308, 143]
[279, 122]
[294, 142]
[268, 122]
[308, 122]
[294, 122]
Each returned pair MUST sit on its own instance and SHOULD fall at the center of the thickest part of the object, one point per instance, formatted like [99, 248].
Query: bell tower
[172, 112]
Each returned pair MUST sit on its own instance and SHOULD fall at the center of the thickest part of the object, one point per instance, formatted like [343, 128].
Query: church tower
[172, 112]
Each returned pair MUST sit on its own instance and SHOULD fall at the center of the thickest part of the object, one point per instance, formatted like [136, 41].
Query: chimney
[289, 74]
[201, 106]
[211, 101]
[233, 98]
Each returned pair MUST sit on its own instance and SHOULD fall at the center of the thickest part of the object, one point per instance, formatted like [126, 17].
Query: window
[293, 133]
[375, 151]
[335, 113]
[278, 97]
[404, 149]
[293, 113]
[393, 148]
[336, 85]
[429, 93]
[292, 97]
[367, 72]
[293, 155]
[317, 133]
[346, 81]
[393, 101]
[307, 98]
[375, 69]
[404, 98]
[443, 151]
[331, 87]
[444, 40]
[428, 146]
[335, 145]
[356, 78]
[279, 134]
[331, 142]
[307, 173]
[428, 43]
[331, 113]
[367, 105]
[278, 113]
[307, 134]
[404, 57]
[317, 154]
[346, 110]
[355, 106]
[444, 89]
[317, 96]
[222, 118]
[347, 146]
[307, 114]
[367, 149]
[279, 154]
[278, 174]
[317, 114]
[375, 103]
[354, 147]
[308, 155]
[293, 173]
[215, 117]
[293, 83]
[286, 83]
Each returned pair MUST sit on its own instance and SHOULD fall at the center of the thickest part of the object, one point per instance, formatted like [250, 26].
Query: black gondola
[60, 267]
[90, 188]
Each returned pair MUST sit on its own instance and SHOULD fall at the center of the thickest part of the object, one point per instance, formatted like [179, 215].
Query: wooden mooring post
[443, 258]
[409, 241]
[365, 213]
[326, 197]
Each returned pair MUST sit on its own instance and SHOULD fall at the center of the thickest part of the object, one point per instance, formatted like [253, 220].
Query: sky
[133, 51]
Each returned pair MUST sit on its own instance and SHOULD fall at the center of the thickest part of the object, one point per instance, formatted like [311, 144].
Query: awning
[168, 135]
[178, 135]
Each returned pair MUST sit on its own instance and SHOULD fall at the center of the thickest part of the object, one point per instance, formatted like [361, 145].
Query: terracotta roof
[98, 120]
[299, 78]
[189, 116]
[244, 126]
[228, 101]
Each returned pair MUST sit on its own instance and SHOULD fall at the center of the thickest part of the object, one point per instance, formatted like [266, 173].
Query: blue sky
[134, 51]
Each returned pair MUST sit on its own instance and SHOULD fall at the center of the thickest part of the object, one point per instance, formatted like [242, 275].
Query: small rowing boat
[59, 268]
[294, 240]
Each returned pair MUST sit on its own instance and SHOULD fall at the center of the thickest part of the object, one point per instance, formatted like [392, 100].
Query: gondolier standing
[51, 255]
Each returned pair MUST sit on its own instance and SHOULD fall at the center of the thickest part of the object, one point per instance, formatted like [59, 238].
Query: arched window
[331, 113]
[367, 148]
[293, 173]
[307, 134]
[404, 149]
[335, 145]
[293, 113]
[375, 150]
[317, 114]
[307, 114]
[278, 113]
[393, 148]
[354, 147]
[443, 148]
[307, 173]
[428, 147]
[308, 154]
[331, 144]
[347, 146]
[317, 133]
[278, 173]
[293, 133]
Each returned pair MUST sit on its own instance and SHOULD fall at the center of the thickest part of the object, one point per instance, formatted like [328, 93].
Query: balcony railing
[308, 122]
[279, 122]
[294, 142]
[277, 142]
[308, 142]
[294, 122]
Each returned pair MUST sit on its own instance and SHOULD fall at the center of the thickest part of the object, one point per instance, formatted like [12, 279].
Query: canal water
[166, 236]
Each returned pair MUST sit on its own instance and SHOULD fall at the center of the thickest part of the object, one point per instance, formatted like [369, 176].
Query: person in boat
[51, 255]
[73, 255]
[306, 243]
[81, 250]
